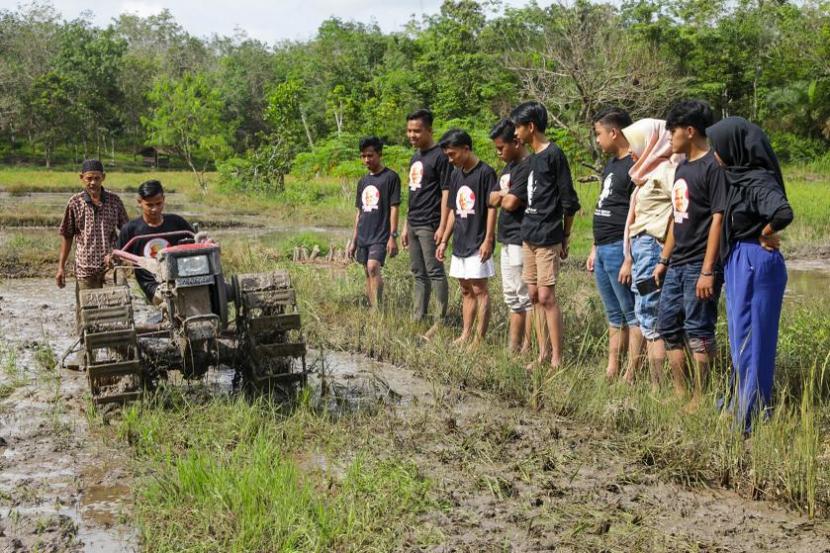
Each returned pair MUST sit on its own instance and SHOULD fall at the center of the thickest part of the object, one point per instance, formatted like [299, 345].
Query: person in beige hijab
[646, 228]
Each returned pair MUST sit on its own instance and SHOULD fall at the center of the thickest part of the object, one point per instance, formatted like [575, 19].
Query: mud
[504, 478]
[60, 489]
[511, 480]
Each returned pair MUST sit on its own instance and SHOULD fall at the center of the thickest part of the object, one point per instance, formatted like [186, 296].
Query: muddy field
[505, 478]
[511, 479]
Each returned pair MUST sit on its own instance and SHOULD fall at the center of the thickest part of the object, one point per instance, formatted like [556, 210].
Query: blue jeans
[755, 283]
[645, 251]
[684, 319]
[617, 298]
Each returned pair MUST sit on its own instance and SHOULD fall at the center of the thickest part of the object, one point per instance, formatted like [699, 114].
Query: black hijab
[749, 161]
[746, 152]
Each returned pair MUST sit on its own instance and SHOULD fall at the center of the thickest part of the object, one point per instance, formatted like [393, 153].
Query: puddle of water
[344, 382]
[808, 278]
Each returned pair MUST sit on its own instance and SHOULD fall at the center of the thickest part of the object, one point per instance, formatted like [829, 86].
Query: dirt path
[60, 488]
[505, 478]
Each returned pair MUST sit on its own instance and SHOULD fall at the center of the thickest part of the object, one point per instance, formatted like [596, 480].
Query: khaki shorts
[541, 264]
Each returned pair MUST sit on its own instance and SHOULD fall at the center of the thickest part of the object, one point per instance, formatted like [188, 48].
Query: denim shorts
[645, 251]
[684, 319]
[616, 297]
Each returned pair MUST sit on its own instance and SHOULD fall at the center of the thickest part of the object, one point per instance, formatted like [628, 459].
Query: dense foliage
[69, 89]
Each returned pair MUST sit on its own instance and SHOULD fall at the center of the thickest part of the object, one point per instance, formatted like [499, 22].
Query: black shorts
[376, 252]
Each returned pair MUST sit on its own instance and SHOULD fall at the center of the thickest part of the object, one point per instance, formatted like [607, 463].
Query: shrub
[793, 148]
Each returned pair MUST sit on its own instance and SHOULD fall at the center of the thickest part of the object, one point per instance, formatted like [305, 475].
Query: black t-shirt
[151, 246]
[549, 196]
[468, 201]
[429, 174]
[751, 208]
[612, 206]
[699, 191]
[513, 179]
[376, 194]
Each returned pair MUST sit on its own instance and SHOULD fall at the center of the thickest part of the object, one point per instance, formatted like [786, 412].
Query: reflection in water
[808, 278]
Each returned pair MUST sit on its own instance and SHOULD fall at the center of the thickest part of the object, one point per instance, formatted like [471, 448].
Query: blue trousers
[755, 282]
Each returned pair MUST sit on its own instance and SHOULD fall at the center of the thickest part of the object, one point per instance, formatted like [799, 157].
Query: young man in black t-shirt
[512, 183]
[608, 252]
[551, 204]
[429, 174]
[473, 223]
[376, 222]
[153, 220]
[692, 284]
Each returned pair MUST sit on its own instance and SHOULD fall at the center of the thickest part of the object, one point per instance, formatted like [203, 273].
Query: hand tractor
[262, 341]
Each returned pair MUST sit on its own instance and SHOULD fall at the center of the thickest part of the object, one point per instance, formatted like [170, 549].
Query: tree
[575, 60]
[187, 116]
[53, 116]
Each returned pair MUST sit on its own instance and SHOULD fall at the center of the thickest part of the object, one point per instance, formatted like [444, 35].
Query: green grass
[234, 476]
[783, 463]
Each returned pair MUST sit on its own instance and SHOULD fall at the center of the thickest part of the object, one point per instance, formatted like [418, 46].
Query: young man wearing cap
[92, 220]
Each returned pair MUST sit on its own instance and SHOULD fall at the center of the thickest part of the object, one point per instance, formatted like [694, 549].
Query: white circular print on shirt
[370, 198]
[465, 202]
[416, 175]
[680, 200]
[154, 246]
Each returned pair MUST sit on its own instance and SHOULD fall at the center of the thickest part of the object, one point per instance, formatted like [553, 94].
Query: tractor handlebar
[136, 259]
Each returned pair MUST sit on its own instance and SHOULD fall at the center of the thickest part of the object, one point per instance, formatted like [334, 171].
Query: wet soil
[61, 489]
[504, 478]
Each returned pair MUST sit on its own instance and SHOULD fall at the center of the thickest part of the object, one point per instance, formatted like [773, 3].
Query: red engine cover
[189, 247]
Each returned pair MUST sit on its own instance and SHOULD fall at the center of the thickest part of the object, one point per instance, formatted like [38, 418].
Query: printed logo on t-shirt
[504, 182]
[465, 202]
[530, 186]
[154, 246]
[370, 198]
[416, 175]
[680, 200]
[606, 189]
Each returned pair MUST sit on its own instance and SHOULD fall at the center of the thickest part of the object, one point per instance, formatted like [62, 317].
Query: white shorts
[471, 267]
[513, 287]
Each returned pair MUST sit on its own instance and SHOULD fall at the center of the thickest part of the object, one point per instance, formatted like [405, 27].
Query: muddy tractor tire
[111, 355]
[270, 341]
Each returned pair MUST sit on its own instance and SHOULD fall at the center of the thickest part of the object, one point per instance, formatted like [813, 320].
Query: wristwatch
[394, 234]
[663, 261]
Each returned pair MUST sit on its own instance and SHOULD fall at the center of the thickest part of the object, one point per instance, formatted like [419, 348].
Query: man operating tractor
[153, 221]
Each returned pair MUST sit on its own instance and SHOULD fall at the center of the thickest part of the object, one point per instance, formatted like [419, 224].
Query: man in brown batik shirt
[92, 219]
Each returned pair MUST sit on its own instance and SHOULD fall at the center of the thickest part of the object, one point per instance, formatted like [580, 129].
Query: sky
[269, 21]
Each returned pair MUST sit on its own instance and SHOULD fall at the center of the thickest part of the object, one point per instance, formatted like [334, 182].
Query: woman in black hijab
[757, 209]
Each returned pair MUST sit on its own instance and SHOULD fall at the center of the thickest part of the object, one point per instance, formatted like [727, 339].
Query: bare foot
[460, 340]
[429, 334]
[540, 361]
[692, 406]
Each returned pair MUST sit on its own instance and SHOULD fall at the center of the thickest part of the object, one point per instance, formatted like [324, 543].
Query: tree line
[69, 89]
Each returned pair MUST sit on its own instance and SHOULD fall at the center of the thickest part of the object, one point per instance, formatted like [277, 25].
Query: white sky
[267, 21]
